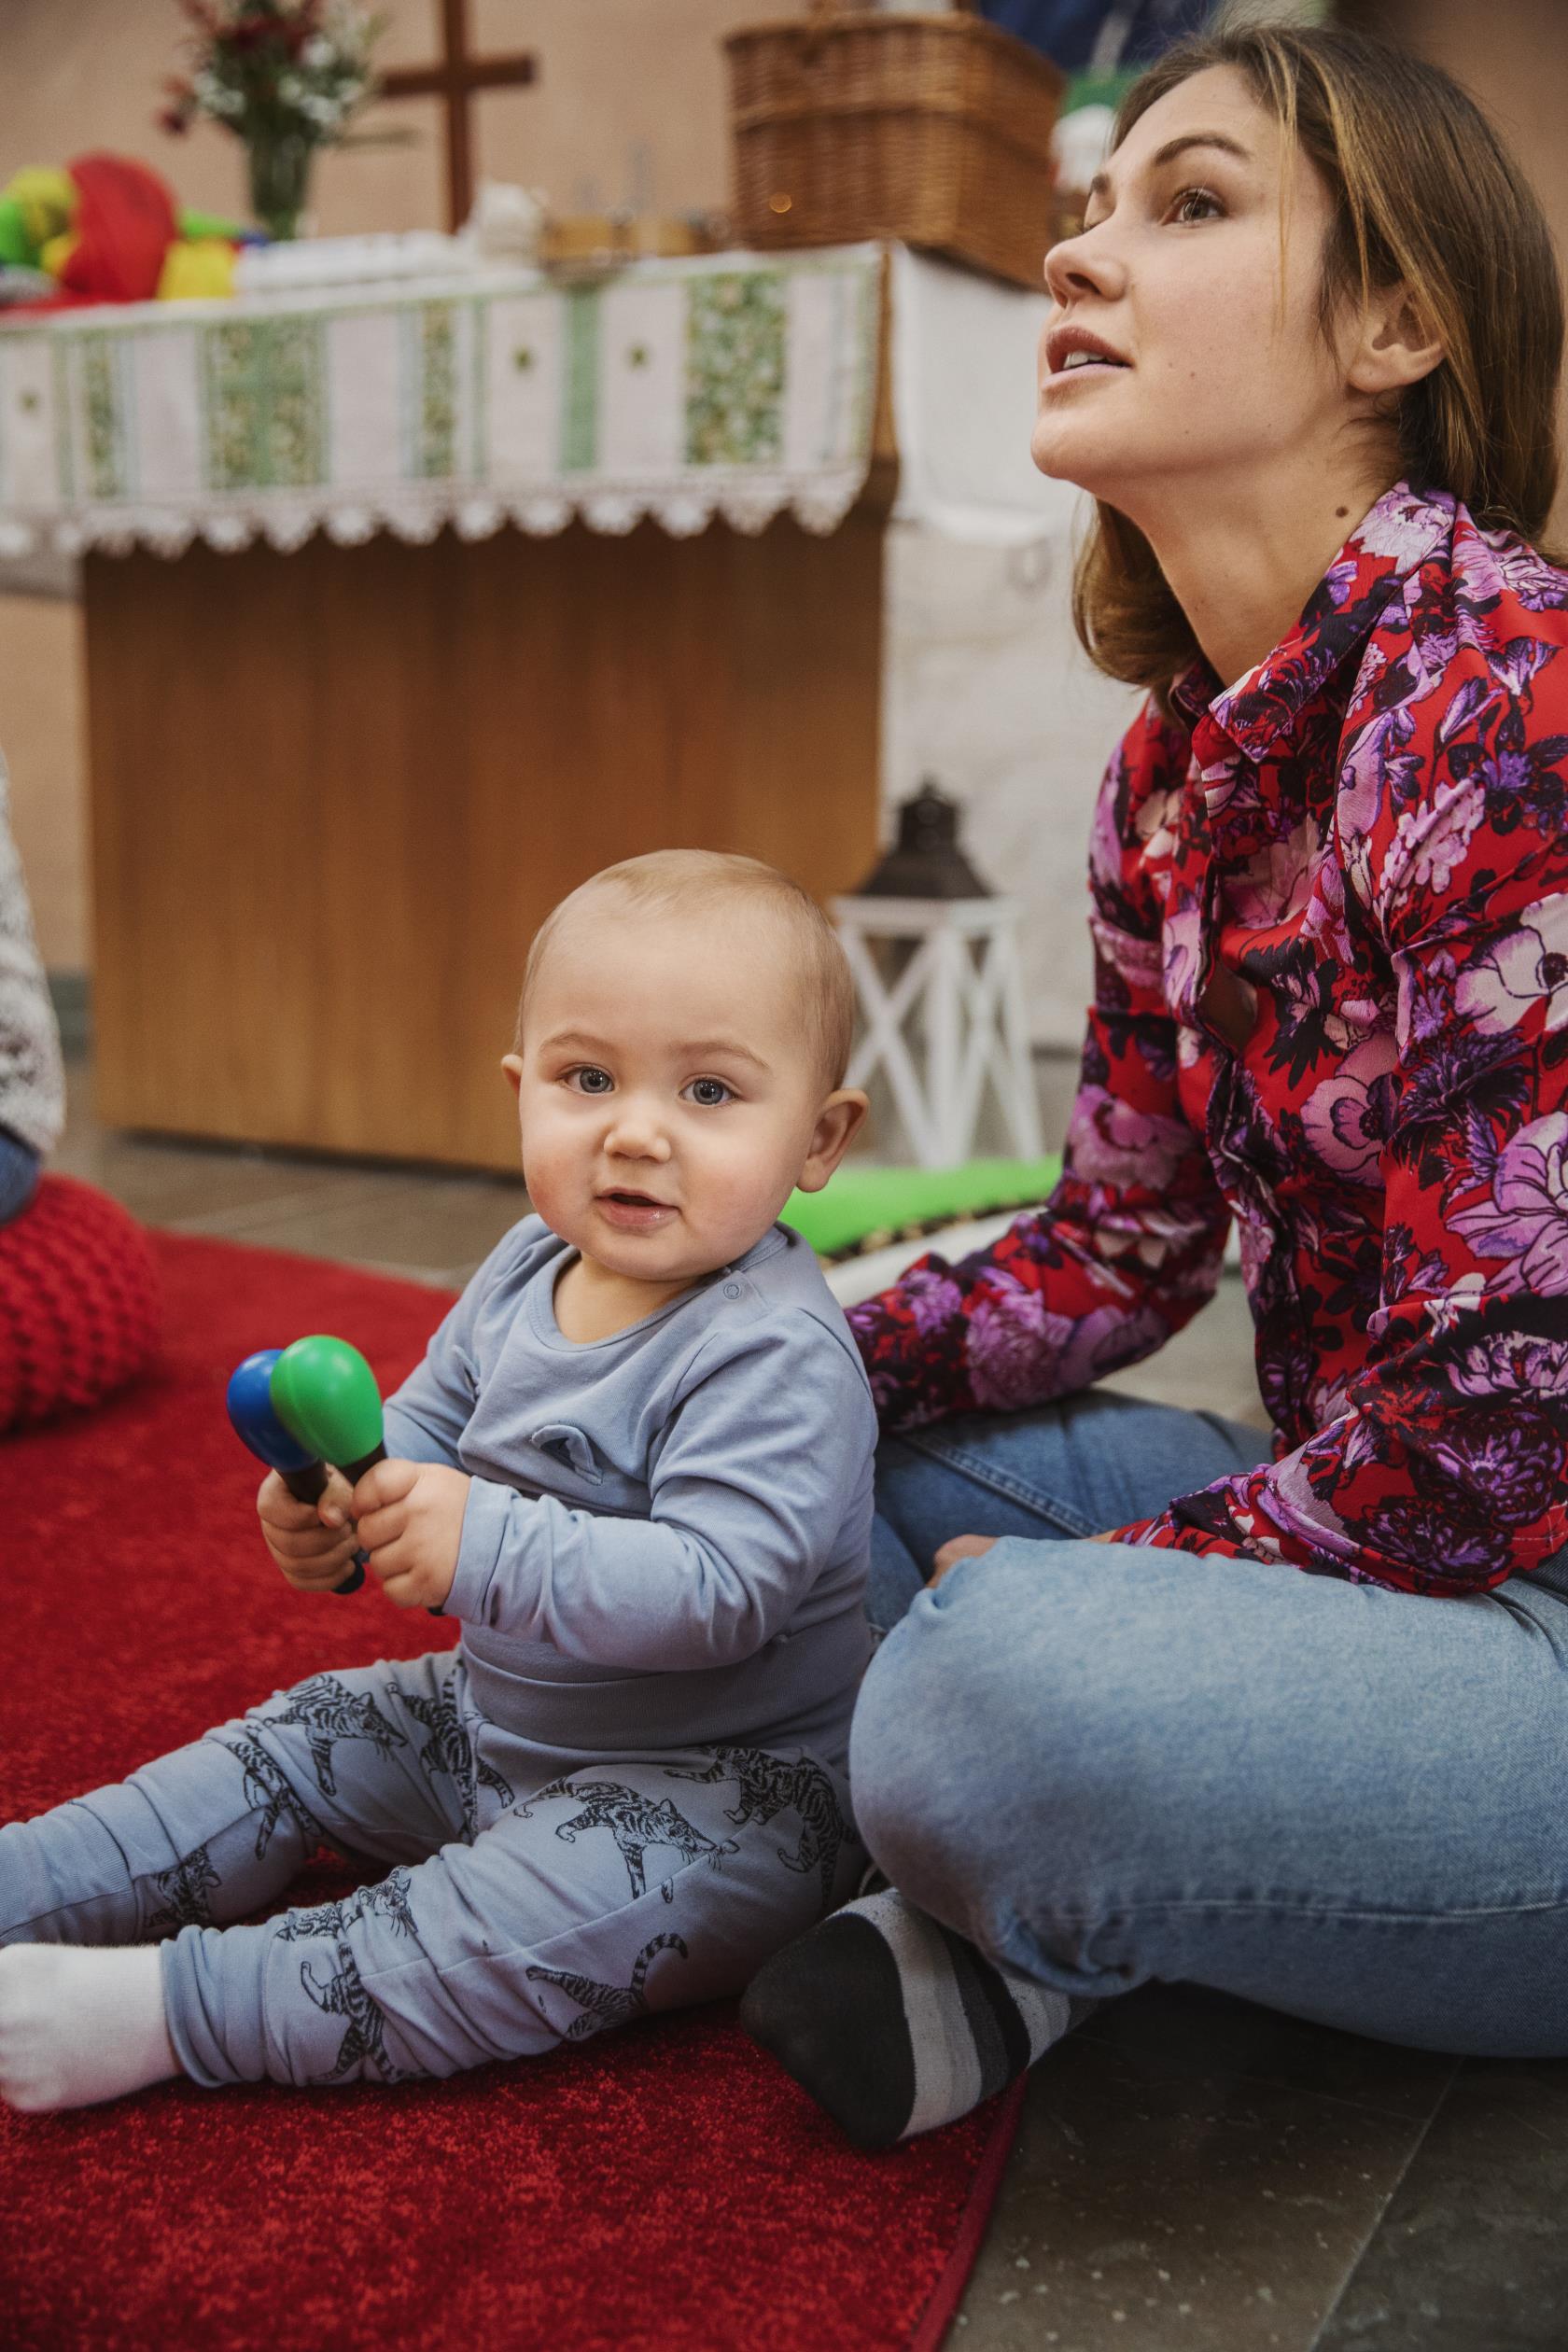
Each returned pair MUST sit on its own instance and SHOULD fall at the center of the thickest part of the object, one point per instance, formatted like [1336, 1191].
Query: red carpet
[664, 2186]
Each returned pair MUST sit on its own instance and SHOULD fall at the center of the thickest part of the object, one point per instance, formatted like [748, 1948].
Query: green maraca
[326, 1395]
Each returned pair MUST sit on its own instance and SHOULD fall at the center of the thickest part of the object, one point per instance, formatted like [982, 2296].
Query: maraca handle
[355, 1471]
[308, 1486]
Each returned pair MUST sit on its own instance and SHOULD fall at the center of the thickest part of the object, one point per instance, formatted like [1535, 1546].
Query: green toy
[326, 1395]
[867, 1208]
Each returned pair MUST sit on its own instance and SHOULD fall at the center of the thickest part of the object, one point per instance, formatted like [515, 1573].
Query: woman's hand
[958, 1547]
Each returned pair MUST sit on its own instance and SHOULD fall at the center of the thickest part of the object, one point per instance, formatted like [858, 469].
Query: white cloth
[32, 1082]
[964, 374]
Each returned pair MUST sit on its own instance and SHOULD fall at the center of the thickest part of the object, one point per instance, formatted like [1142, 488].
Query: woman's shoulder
[1156, 740]
[1486, 609]
[1453, 768]
[1146, 766]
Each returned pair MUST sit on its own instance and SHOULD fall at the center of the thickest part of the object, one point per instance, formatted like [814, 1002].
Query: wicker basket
[934, 130]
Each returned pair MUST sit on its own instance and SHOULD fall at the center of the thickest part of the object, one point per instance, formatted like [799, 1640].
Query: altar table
[407, 610]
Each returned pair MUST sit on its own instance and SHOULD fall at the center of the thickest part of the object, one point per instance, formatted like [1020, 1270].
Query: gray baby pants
[536, 1896]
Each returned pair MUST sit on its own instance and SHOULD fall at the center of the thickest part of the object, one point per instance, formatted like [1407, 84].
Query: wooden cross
[456, 79]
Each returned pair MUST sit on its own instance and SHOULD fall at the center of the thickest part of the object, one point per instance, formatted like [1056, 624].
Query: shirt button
[732, 1290]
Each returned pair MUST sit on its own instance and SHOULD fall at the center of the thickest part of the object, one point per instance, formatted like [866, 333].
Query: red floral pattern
[1331, 930]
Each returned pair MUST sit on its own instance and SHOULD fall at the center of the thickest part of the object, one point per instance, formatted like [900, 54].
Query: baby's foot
[80, 2026]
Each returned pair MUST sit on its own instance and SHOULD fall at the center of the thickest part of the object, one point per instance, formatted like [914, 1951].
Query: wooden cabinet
[334, 792]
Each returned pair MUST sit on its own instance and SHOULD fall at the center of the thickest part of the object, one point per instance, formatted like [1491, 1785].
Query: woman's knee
[949, 1737]
[1018, 1751]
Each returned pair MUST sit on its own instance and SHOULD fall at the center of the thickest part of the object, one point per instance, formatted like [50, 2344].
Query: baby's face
[667, 1094]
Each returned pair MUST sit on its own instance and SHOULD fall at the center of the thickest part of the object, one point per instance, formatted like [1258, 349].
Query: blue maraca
[258, 1426]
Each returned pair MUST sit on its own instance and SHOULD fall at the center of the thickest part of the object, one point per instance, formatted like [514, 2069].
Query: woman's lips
[633, 1214]
[1085, 367]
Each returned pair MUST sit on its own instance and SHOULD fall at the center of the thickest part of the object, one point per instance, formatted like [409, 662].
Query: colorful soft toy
[106, 229]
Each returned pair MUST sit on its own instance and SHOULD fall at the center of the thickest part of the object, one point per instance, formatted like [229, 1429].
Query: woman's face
[1176, 274]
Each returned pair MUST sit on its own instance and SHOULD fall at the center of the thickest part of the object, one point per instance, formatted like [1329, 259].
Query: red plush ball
[79, 1302]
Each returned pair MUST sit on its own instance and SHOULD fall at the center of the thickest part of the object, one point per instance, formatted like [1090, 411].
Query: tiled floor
[1193, 2175]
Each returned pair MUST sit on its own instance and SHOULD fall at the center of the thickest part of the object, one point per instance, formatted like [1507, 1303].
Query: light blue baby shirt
[668, 1531]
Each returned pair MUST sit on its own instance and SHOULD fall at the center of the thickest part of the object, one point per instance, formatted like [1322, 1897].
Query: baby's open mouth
[635, 1211]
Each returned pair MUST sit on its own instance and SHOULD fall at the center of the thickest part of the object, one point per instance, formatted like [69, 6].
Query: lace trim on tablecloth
[746, 500]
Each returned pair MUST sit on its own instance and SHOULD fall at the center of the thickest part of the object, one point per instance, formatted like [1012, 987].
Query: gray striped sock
[895, 2024]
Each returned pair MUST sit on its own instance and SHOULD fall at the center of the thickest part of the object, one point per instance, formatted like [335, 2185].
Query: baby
[636, 1463]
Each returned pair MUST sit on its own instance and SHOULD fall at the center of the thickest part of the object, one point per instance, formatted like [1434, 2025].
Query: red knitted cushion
[79, 1302]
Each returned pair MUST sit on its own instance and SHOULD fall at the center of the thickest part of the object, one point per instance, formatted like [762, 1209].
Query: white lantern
[949, 1017]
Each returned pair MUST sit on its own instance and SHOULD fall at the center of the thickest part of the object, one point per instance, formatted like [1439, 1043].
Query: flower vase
[280, 168]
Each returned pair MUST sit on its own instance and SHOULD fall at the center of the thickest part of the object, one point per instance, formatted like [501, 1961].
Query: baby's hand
[313, 1543]
[411, 1522]
[958, 1547]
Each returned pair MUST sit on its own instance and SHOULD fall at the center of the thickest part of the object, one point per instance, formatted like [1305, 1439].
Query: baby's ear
[511, 1064]
[838, 1123]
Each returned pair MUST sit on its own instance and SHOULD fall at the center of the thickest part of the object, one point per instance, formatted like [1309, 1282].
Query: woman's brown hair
[1425, 194]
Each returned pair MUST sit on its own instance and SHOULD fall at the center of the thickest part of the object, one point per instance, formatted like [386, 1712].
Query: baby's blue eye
[710, 1093]
[591, 1080]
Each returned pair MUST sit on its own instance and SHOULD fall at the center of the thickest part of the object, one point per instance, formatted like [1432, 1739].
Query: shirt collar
[1400, 533]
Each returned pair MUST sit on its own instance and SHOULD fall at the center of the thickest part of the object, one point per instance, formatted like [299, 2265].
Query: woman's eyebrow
[1100, 184]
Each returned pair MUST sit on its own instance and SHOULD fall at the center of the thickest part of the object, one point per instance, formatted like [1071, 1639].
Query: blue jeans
[18, 1175]
[1104, 1764]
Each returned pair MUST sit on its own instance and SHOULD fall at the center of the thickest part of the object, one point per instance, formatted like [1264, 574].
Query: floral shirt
[1331, 929]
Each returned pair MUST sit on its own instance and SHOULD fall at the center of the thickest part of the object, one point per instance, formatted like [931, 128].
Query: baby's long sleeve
[424, 1419]
[761, 1476]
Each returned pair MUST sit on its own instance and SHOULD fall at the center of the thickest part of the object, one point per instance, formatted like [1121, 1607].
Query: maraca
[326, 1395]
[258, 1426]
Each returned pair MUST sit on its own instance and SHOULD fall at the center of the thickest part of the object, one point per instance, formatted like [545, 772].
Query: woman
[1295, 1728]
[32, 1082]
[78, 1297]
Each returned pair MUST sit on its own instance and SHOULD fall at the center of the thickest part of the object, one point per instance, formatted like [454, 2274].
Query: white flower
[1524, 967]
[1431, 840]
[1156, 822]
[1402, 525]
[317, 52]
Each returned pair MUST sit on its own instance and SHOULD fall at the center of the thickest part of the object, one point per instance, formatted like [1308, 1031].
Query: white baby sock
[78, 2026]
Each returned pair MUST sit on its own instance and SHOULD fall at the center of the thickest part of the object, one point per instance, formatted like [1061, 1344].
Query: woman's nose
[1083, 264]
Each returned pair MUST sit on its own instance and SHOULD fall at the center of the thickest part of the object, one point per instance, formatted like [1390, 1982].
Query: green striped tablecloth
[736, 384]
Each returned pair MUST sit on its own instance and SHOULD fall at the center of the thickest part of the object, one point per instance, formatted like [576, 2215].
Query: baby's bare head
[722, 905]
